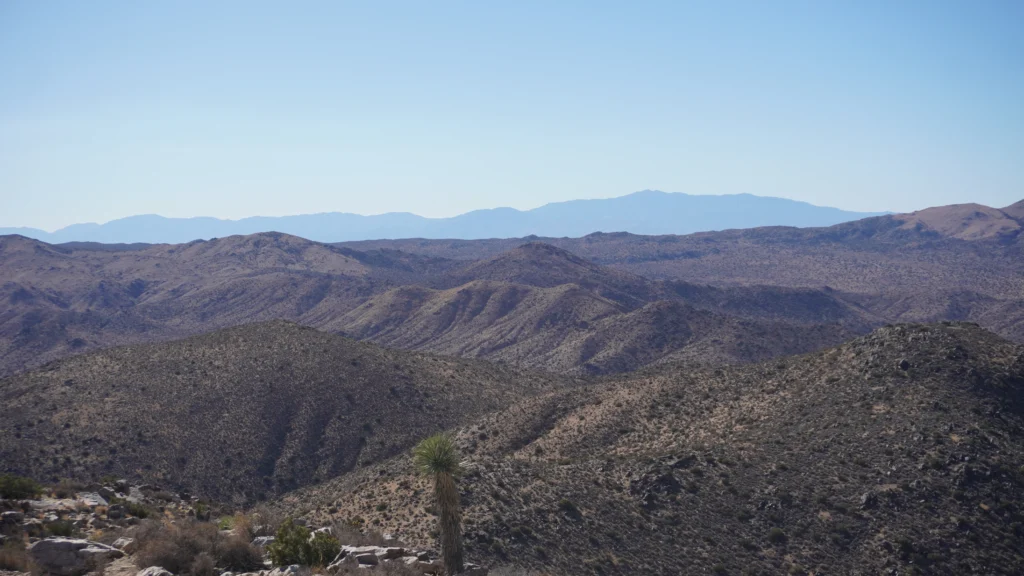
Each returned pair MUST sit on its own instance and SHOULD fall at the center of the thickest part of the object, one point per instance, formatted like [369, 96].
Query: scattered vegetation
[18, 487]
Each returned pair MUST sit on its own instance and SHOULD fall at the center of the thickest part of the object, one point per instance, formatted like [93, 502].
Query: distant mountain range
[646, 212]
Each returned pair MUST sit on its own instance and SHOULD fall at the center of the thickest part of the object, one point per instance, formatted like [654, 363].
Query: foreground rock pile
[95, 530]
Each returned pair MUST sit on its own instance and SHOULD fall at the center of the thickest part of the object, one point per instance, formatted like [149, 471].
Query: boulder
[292, 570]
[390, 553]
[33, 527]
[92, 499]
[262, 541]
[424, 567]
[126, 545]
[367, 558]
[71, 556]
[11, 517]
[354, 550]
[153, 571]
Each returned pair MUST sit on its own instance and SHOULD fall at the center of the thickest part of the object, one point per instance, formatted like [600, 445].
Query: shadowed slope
[62, 300]
[569, 329]
[243, 412]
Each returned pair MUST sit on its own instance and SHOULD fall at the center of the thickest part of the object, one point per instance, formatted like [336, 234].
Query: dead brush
[13, 556]
[192, 547]
[349, 535]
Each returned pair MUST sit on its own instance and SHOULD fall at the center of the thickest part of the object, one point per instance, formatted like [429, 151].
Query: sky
[243, 108]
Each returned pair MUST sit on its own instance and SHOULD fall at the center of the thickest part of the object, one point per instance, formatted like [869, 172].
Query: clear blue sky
[233, 109]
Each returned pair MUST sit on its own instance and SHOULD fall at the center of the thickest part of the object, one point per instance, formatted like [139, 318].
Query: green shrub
[776, 536]
[60, 528]
[136, 509]
[323, 548]
[290, 545]
[568, 507]
[17, 487]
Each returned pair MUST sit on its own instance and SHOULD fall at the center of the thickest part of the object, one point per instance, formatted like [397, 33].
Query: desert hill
[65, 300]
[1015, 211]
[68, 300]
[543, 265]
[241, 413]
[945, 263]
[570, 329]
[963, 221]
[898, 452]
[948, 263]
[934, 249]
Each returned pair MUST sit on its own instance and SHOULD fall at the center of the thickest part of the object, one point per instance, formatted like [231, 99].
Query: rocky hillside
[896, 453]
[243, 413]
[573, 330]
[67, 300]
[961, 262]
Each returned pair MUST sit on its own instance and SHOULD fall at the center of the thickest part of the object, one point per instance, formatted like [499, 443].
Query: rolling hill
[898, 452]
[66, 300]
[243, 413]
[572, 330]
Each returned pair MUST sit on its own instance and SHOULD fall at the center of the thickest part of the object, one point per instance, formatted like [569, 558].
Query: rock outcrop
[71, 556]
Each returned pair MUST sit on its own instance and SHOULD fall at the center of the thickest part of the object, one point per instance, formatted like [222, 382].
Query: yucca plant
[438, 457]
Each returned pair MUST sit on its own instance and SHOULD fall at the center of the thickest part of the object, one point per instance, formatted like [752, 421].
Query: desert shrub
[238, 555]
[140, 511]
[265, 521]
[14, 557]
[323, 548]
[201, 512]
[60, 528]
[192, 547]
[349, 534]
[290, 545]
[67, 488]
[203, 565]
[293, 545]
[242, 526]
[18, 487]
[174, 547]
[776, 536]
[569, 507]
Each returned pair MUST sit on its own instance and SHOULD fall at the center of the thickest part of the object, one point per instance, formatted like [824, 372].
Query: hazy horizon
[238, 109]
[205, 216]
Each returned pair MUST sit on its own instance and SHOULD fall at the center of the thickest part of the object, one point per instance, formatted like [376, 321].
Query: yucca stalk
[438, 457]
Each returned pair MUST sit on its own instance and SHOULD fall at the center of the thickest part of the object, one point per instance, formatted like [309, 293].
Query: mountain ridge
[646, 212]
